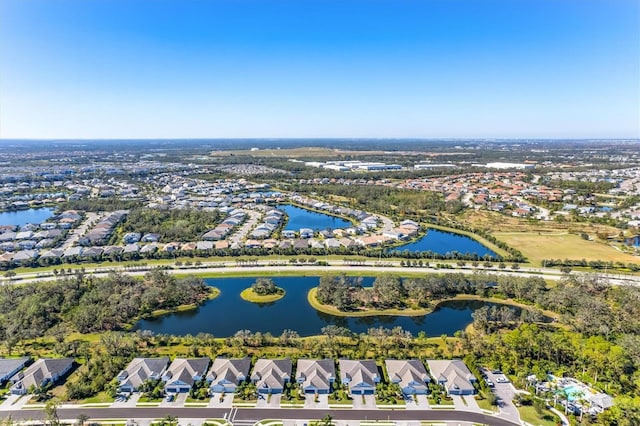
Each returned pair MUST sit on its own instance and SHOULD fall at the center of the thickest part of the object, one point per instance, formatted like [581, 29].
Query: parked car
[502, 379]
[169, 397]
[490, 383]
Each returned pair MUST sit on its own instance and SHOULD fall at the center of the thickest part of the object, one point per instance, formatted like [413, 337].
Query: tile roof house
[316, 375]
[10, 367]
[140, 370]
[183, 373]
[454, 375]
[360, 375]
[410, 375]
[270, 375]
[41, 373]
[226, 374]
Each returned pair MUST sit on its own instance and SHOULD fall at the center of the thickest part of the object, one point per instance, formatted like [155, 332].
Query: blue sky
[324, 68]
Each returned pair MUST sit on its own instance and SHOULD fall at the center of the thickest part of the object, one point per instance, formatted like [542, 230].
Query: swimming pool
[574, 392]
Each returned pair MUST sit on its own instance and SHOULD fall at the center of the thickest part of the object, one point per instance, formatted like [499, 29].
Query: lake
[22, 217]
[446, 242]
[228, 313]
[303, 218]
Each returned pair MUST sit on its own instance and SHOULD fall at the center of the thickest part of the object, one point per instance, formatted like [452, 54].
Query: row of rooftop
[270, 376]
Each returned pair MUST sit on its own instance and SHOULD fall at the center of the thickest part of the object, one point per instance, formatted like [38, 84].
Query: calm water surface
[446, 242]
[228, 313]
[22, 217]
[303, 218]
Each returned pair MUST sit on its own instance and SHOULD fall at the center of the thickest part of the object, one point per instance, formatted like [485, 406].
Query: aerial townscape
[319, 213]
[162, 280]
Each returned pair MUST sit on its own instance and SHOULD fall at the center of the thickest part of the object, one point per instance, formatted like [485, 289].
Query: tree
[51, 412]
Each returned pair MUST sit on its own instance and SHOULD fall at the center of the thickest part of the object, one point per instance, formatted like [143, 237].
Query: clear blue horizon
[319, 69]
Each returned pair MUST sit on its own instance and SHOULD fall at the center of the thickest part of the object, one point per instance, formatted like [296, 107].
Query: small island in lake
[263, 290]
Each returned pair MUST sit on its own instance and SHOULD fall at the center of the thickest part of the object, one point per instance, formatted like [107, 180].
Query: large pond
[22, 217]
[303, 218]
[446, 242]
[228, 313]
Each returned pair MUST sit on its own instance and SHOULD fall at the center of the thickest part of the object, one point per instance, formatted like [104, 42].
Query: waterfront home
[306, 232]
[183, 373]
[41, 373]
[410, 375]
[270, 375]
[453, 375]
[360, 375]
[140, 370]
[315, 375]
[10, 367]
[226, 374]
[288, 234]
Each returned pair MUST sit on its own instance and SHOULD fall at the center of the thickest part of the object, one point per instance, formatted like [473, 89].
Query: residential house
[140, 370]
[360, 375]
[10, 367]
[131, 237]
[226, 374]
[183, 373]
[410, 375]
[270, 375]
[41, 373]
[316, 375]
[453, 375]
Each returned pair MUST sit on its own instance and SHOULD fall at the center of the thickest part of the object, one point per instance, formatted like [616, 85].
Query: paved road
[241, 233]
[254, 414]
[338, 266]
[75, 235]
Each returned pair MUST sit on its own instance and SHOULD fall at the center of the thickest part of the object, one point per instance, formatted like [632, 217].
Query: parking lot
[505, 392]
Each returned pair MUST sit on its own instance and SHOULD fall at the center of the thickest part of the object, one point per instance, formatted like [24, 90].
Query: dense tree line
[387, 291]
[383, 199]
[87, 304]
[593, 264]
[172, 225]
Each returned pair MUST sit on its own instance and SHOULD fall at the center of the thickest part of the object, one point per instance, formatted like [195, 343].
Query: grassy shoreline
[331, 310]
[249, 295]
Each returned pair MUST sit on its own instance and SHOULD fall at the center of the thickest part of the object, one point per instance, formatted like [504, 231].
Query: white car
[502, 379]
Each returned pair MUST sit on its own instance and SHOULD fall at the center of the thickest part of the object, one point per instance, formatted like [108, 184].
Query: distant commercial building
[502, 166]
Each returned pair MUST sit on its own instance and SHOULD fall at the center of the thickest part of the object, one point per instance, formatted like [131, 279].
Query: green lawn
[102, 397]
[529, 415]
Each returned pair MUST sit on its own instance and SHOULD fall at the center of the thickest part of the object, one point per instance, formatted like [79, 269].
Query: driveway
[310, 401]
[226, 402]
[264, 401]
[419, 402]
[129, 403]
[505, 393]
[7, 404]
[178, 401]
[364, 402]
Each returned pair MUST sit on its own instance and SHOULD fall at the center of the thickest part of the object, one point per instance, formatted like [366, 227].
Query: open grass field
[496, 222]
[537, 247]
